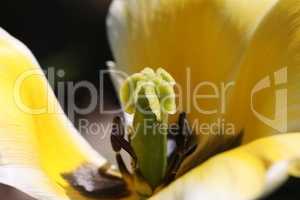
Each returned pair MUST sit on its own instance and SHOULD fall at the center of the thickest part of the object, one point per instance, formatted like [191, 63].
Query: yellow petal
[248, 172]
[269, 73]
[37, 141]
[196, 41]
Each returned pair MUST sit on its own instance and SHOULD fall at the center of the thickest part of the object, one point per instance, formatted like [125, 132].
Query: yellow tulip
[211, 40]
[222, 41]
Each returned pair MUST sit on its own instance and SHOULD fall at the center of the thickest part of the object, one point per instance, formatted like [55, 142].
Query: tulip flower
[250, 47]
[251, 44]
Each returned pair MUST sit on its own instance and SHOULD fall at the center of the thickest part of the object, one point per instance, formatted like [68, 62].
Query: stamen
[185, 145]
[118, 141]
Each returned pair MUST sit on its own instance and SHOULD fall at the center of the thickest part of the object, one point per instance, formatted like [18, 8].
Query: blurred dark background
[68, 34]
[71, 35]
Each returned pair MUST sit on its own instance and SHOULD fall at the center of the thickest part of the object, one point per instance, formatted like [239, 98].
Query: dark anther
[185, 145]
[238, 140]
[118, 140]
[185, 134]
[123, 169]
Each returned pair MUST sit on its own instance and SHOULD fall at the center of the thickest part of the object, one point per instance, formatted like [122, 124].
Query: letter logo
[280, 119]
